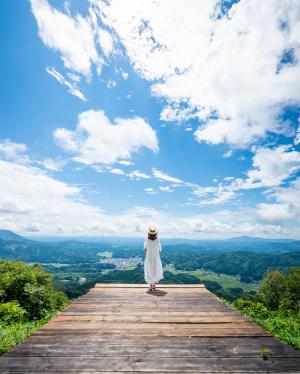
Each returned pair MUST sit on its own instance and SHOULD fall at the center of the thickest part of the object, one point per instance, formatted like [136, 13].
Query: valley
[229, 268]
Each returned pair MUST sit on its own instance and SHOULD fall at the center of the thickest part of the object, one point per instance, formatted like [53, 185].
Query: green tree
[291, 297]
[271, 289]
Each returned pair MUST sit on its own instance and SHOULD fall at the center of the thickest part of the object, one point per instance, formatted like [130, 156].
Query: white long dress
[152, 265]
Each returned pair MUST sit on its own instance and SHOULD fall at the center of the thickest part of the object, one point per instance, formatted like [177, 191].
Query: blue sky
[116, 115]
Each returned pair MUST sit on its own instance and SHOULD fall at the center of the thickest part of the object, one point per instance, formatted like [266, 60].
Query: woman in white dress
[152, 265]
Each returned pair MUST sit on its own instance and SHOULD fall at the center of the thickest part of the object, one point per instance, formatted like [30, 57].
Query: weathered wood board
[120, 328]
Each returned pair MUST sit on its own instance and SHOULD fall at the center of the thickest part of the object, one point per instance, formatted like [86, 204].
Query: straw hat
[152, 230]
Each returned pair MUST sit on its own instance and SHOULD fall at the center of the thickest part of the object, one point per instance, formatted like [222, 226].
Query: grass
[286, 329]
[283, 324]
[12, 335]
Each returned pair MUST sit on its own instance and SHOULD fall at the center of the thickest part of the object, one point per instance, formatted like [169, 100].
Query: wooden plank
[159, 341]
[129, 318]
[142, 349]
[146, 364]
[149, 332]
[142, 372]
[146, 304]
[120, 324]
[161, 313]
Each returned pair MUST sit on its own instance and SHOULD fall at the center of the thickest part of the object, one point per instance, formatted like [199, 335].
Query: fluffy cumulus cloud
[270, 168]
[96, 140]
[234, 71]
[286, 205]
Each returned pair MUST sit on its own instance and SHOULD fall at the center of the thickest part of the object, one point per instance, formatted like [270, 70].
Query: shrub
[254, 310]
[31, 287]
[12, 312]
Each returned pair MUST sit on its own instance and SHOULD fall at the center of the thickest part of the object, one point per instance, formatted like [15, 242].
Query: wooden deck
[125, 329]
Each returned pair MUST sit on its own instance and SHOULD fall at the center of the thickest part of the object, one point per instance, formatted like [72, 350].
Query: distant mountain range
[10, 235]
[248, 257]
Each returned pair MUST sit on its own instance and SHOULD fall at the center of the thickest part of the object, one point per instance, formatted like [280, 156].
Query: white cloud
[286, 206]
[72, 87]
[166, 189]
[54, 207]
[175, 113]
[45, 200]
[228, 154]
[12, 151]
[72, 37]
[135, 174]
[111, 83]
[117, 171]
[271, 167]
[124, 74]
[297, 138]
[228, 179]
[106, 41]
[96, 140]
[150, 191]
[231, 77]
[274, 212]
[221, 196]
[138, 175]
[74, 77]
[164, 177]
[53, 165]
[125, 163]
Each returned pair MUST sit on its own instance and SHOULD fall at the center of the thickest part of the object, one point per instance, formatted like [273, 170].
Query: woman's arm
[145, 247]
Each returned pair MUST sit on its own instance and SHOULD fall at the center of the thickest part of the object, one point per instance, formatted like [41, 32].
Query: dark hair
[152, 236]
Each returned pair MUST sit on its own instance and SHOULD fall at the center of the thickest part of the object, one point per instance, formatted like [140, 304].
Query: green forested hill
[248, 258]
[249, 265]
[63, 252]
